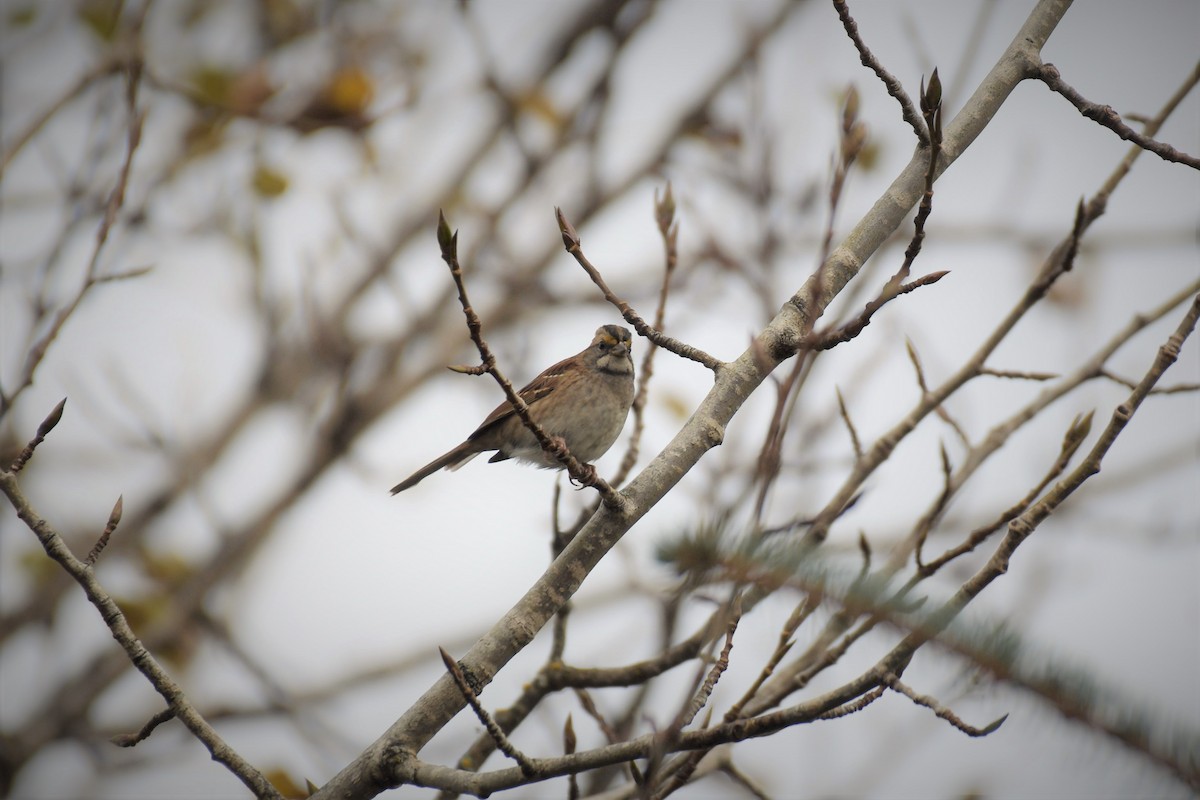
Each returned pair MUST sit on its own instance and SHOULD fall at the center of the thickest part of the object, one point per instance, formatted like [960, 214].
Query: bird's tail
[452, 460]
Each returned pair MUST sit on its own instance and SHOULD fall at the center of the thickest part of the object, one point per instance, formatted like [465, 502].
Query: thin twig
[854, 441]
[1018, 374]
[930, 518]
[1109, 118]
[854, 707]
[568, 749]
[572, 244]
[114, 519]
[43, 431]
[1076, 433]
[896, 685]
[931, 108]
[145, 662]
[1128, 384]
[116, 199]
[668, 231]
[493, 729]
[681, 772]
[131, 739]
[870, 61]
[102, 70]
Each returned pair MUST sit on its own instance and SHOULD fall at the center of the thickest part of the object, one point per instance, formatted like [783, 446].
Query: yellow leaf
[101, 16]
[212, 84]
[284, 784]
[538, 104]
[268, 182]
[20, 17]
[350, 91]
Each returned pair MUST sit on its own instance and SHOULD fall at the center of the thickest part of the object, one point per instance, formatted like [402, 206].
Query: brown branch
[677, 774]
[145, 662]
[927, 521]
[100, 71]
[493, 729]
[116, 199]
[853, 707]
[829, 339]
[931, 108]
[1074, 437]
[854, 440]
[131, 739]
[1109, 118]
[43, 431]
[1018, 374]
[894, 88]
[896, 685]
[1128, 384]
[114, 519]
[572, 244]
[668, 230]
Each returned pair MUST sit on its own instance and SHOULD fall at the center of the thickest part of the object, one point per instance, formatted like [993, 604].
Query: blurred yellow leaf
[868, 157]
[141, 612]
[350, 91]
[538, 104]
[167, 568]
[38, 566]
[284, 784]
[285, 19]
[212, 84]
[340, 103]
[101, 16]
[204, 135]
[675, 405]
[20, 17]
[268, 182]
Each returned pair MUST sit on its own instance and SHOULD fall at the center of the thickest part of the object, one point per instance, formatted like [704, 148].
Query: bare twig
[1074, 437]
[1128, 384]
[568, 749]
[116, 199]
[572, 244]
[1109, 118]
[43, 431]
[854, 442]
[1018, 374]
[678, 774]
[137, 653]
[493, 729]
[896, 685]
[931, 109]
[131, 739]
[99, 72]
[114, 519]
[870, 61]
[668, 230]
[854, 707]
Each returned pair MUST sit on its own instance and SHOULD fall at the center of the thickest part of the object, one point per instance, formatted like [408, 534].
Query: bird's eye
[604, 345]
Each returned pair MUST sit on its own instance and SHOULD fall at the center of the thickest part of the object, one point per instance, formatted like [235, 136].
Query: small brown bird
[584, 399]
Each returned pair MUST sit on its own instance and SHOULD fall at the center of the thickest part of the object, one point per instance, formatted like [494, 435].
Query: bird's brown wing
[537, 390]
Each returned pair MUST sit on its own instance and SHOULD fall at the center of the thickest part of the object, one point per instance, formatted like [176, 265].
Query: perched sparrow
[584, 399]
